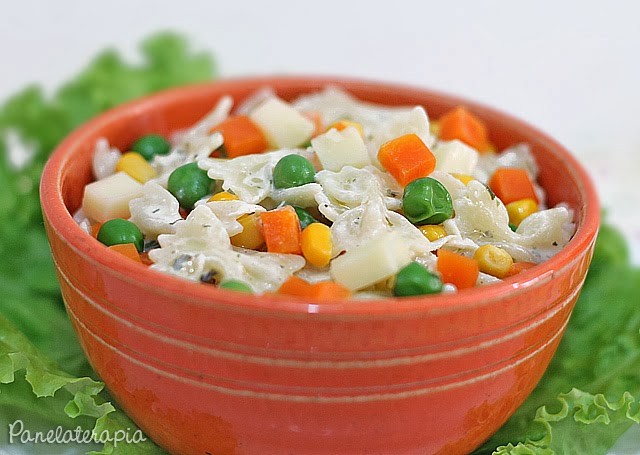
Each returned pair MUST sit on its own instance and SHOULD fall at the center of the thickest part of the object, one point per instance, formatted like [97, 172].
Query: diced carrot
[241, 136]
[95, 228]
[324, 290]
[281, 230]
[512, 184]
[456, 269]
[127, 249]
[316, 118]
[407, 158]
[461, 124]
[518, 267]
[295, 286]
[329, 290]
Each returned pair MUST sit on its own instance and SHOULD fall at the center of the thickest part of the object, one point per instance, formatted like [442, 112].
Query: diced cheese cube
[455, 157]
[373, 261]
[109, 198]
[336, 149]
[282, 125]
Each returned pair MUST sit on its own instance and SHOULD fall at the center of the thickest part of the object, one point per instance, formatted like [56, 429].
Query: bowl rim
[62, 222]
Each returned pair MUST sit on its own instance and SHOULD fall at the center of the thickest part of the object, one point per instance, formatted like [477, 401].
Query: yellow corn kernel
[342, 124]
[433, 232]
[251, 235]
[316, 244]
[519, 210]
[434, 128]
[493, 260]
[464, 178]
[223, 196]
[136, 166]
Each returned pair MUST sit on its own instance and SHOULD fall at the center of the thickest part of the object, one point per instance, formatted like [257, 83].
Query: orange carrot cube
[512, 184]
[281, 230]
[324, 290]
[461, 124]
[241, 136]
[456, 269]
[295, 286]
[329, 290]
[407, 158]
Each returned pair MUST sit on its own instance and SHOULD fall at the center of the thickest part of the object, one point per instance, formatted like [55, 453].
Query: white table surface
[571, 68]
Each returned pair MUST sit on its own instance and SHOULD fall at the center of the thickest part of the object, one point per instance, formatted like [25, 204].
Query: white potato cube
[455, 157]
[336, 149]
[373, 261]
[283, 126]
[109, 198]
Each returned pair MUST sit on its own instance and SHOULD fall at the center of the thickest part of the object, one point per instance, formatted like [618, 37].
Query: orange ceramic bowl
[209, 371]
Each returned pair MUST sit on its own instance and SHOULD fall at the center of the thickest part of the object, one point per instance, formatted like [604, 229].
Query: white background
[570, 68]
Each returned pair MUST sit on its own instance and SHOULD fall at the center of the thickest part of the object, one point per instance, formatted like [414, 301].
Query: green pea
[236, 285]
[292, 171]
[151, 145]
[305, 217]
[415, 279]
[188, 184]
[427, 201]
[118, 231]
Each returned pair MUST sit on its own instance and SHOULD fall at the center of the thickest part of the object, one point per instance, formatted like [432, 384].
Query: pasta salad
[324, 198]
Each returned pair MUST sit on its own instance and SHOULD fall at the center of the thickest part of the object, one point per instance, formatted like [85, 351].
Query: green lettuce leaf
[60, 398]
[564, 430]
